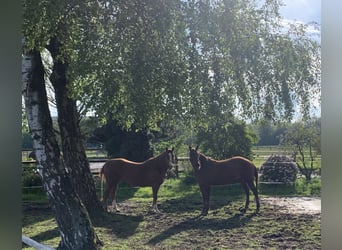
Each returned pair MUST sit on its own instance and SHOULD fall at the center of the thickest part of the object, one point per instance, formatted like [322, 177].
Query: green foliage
[268, 133]
[243, 61]
[301, 187]
[30, 176]
[139, 69]
[172, 134]
[303, 141]
[142, 62]
[224, 139]
[309, 188]
[134, 145]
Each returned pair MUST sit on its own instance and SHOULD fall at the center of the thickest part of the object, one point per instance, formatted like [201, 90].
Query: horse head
[170, 157]
[194, 156]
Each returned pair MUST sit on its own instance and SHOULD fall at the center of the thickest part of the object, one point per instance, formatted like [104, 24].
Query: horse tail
[102, 178]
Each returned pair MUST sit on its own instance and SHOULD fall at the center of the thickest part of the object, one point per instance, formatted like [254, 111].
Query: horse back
[133, 173]
[229, 171]
[241, 166]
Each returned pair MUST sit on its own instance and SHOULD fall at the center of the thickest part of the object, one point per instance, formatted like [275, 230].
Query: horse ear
[173, 149]
[189, 147]
[196, 148]
[166, 149]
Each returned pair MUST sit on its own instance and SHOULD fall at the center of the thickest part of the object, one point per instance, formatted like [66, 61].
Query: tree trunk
[73, 148]
[72, 218]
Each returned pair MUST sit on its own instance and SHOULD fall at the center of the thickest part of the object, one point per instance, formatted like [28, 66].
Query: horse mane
[156, 156]
[153, 158]
[206, 158]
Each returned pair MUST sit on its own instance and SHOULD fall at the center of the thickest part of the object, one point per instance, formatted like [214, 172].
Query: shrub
[30, 176]
[278, 168]
[225, 138]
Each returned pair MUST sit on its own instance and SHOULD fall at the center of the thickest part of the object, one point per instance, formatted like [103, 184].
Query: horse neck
[203, 159]
[157, 161]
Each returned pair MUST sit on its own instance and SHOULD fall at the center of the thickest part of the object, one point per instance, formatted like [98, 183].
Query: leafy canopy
[141, 62]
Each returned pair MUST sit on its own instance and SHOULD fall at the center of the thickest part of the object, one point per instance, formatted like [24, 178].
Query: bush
[30, 176]
[278, 168]
[225, 138]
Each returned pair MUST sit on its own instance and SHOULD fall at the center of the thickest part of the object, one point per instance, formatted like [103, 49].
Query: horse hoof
[204, 213]
[243, 210]
[116, 210]
[154, 210]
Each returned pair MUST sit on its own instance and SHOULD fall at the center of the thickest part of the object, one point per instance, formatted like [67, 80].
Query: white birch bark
[71, 216]
[32, 111]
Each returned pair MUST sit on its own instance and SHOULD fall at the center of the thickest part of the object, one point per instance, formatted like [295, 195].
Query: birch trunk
[73, 148]
[72, 218]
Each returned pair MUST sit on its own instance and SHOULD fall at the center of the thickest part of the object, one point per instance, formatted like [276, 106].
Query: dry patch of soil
[294, 205]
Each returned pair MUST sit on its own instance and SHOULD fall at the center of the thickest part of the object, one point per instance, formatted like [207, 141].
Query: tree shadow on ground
[124, 190]
[122, 225]
[36, 212]
[220, 197]
[202, 223]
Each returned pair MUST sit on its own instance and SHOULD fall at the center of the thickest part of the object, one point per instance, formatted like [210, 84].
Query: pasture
[179, 225]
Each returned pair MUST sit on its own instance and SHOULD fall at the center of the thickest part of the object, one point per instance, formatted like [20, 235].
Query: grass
[184, 230]
[179, 225]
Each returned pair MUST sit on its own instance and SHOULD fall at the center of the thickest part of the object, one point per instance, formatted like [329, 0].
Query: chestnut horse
[150, 173]
[210, 172]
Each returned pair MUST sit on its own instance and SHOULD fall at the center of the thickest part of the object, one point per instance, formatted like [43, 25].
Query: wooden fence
[183, 164]
[96, 164]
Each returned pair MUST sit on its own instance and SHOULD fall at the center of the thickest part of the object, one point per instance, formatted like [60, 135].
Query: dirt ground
[287, 205]
[284, 223]
[295, 205]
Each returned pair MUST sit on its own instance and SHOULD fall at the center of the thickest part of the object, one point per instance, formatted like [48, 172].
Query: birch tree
[57, 27]
[75, 227]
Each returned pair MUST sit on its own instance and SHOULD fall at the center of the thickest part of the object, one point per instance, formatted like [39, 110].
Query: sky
[302, 10]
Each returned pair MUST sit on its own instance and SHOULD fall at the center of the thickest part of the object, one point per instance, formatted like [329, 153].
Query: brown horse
[150, 173]
[233, 170]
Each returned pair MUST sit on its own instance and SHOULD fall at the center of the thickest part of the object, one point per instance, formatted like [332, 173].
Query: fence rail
[183, 165]
[32, 243]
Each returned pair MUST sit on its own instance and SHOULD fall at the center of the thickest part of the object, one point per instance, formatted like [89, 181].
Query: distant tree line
[268, 133]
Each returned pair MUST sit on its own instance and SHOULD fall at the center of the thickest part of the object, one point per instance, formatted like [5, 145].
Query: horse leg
[256, 196]
[246, 188]
[205, 190]
[105, 197]
[113, 196]
[155, 189]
